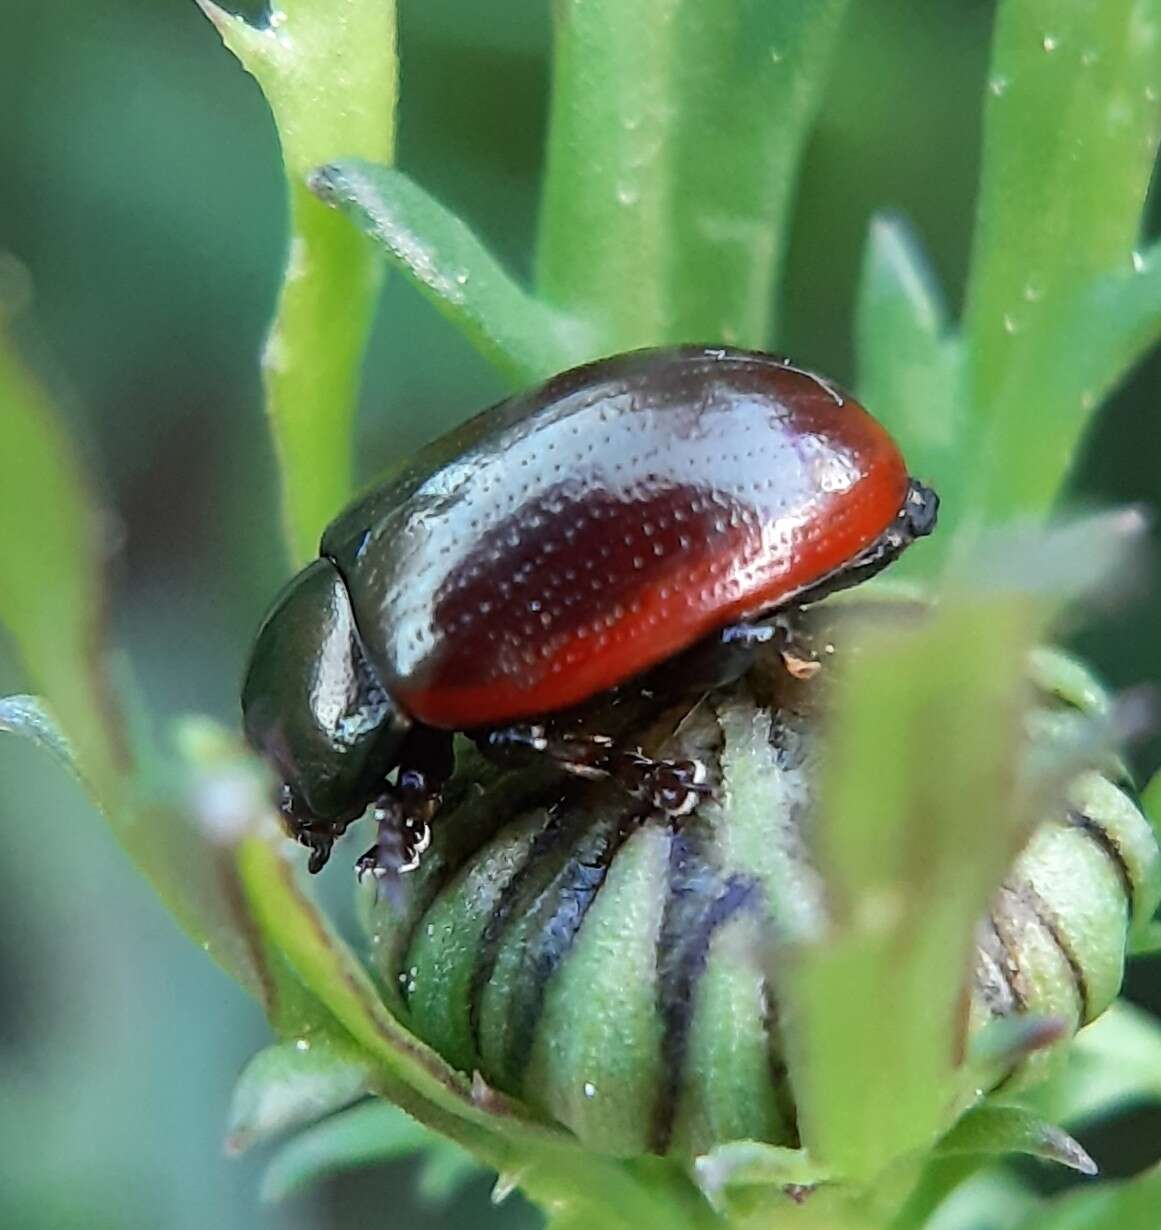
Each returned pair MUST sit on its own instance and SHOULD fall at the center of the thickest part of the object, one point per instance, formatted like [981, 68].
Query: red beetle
[557, 546]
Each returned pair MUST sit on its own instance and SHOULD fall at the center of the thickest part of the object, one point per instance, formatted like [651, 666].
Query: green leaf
[442, 257]
[313, 354]
[609, 141]
[291, 1084]
[407, 1070]
[911, 859]
[748, 1163]
[748, 78]
[1011, 1129]
[675, 137]
[28, 716]
[52, 601]
[1070, 132]
[1130, 1205]
[51, 588]
[909, 360]
[366, 1135]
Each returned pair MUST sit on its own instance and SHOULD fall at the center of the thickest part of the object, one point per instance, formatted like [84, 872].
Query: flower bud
[612, 967]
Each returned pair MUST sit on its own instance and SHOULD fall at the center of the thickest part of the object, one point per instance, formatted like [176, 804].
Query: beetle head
[314, 708]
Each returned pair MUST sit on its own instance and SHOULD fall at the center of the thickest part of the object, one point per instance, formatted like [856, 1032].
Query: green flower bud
[615, 969]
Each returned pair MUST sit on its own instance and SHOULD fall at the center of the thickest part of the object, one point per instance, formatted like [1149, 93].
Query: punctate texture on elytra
[567, 540]
[619, 972]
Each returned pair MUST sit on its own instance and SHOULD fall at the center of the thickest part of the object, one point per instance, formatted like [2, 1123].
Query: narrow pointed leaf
[1071, 123]
[51, 585]
[750, 1163]
[328, 70]
[441, 256]
[52, 602]
[29, 716]
[1011, 1129]
[291, 1084]
[610, 139]
[909, 361]
[749, 77]
[675, 137]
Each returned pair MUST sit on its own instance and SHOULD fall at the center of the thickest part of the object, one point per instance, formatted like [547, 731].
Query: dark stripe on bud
[690, 919]
[1098, 834]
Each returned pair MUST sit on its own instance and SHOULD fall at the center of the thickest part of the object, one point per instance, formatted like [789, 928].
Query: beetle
[554, 547]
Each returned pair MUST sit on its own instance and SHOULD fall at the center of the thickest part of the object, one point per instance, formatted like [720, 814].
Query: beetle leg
[404, 812]
[727, 654]
[671, 786]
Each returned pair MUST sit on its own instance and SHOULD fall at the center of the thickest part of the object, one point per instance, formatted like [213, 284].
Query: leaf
[442, 257]
[291, 1084]
[366, 1135]
[51, 589]
[1011, 1129]
[1128, 1205]
[745, 1163]
[732, 183]
[909, 360]
[52, 602]
[28, 716]
[406, 1069]
[675, 136]
[923, 808]
[331, 285]
[610, 135]
[1070, 131]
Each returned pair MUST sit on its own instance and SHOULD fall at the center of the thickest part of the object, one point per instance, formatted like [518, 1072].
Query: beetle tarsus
[400, 842]
[320, 852]
[673, 787]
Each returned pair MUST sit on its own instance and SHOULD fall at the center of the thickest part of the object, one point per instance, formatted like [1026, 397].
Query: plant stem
[605, 229]
[328, 70]
[750, 78]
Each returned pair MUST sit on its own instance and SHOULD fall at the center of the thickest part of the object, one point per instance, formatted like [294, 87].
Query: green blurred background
[141, 199]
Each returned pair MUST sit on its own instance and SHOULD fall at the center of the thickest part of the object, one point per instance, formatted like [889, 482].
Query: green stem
[314, 352]
[750, 77]
[605, 226]
[676, 134]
